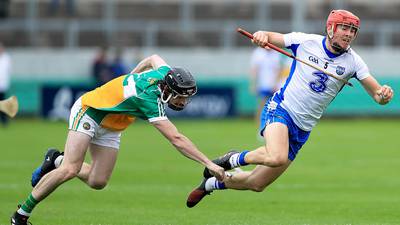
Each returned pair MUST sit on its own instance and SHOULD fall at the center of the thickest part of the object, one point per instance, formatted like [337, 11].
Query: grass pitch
[347, 173]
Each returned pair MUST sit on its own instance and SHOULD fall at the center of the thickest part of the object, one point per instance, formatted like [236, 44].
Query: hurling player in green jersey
[97, 120]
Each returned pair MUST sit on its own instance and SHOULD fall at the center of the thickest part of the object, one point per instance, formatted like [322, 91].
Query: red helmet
[341, 16]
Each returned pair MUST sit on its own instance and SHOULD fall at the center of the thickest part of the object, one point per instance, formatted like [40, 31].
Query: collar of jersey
[329, 53]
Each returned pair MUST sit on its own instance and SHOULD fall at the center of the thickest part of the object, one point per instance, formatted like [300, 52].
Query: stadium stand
[179, 23]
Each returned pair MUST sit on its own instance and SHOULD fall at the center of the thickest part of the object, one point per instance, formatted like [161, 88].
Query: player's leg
[97, 174]
[274, 125]
[275, 129]
[104, 146]
[81, 130]
[104, 151]
[74, 155]
[273, 154]
[50, 162]
[75, 149]
[273, 157]
[275, 151]
[257, 179]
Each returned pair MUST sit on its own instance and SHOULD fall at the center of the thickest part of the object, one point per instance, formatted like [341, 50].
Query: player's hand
[386, 94]
[217, 171]
[261, 38]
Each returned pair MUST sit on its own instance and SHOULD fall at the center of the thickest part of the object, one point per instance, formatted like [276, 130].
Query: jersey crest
[340, 70]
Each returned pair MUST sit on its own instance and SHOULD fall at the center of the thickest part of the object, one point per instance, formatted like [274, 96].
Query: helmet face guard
[178, 83]
[334, 27]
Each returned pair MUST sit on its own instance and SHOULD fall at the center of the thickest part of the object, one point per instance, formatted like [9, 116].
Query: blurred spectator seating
[88, 12]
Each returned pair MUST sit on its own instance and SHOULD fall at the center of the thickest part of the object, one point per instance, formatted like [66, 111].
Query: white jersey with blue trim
[307, 92]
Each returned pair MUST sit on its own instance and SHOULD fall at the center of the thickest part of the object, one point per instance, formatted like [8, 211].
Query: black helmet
[179, 82]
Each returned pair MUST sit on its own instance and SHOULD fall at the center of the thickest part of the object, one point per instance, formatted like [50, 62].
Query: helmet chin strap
[165, 100]
[338, 49]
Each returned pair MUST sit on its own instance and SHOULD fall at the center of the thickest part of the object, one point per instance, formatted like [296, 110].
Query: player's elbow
[154, 57]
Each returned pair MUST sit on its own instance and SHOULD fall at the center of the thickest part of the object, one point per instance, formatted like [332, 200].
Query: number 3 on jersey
[319, 85]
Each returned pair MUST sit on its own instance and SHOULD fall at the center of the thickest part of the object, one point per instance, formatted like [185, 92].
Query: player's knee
[97, 184]
[69, 172]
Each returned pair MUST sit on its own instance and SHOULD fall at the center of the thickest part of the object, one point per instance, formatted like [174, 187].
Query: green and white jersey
[117, 103]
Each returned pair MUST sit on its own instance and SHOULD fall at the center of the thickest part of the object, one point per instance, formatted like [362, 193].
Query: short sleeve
[163, 69]
[151, 110]
[154, 111]
[361, 68]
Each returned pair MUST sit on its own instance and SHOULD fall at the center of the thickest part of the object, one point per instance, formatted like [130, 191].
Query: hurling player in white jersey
[293, 111]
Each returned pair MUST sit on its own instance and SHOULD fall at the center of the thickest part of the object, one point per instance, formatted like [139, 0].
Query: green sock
[29, 204]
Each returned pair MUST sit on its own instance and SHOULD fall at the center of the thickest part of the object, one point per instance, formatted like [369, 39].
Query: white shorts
[81, 122]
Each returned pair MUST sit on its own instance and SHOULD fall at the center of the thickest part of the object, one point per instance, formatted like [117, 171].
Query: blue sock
[241, 158]
[237, 159]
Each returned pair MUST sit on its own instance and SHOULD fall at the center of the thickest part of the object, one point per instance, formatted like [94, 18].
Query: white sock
[210, 184]
[234, 160]
[58, 161]
[22, 212]
[213, 184]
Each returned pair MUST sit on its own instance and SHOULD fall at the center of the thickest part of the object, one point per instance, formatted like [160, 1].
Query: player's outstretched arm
[186, 147]
[381, 94]
[261, 38]
[151, 62]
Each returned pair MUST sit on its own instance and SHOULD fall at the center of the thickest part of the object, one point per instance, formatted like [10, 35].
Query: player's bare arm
[263, 37]
[151, 62]
[381, 94]
[186, 147]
